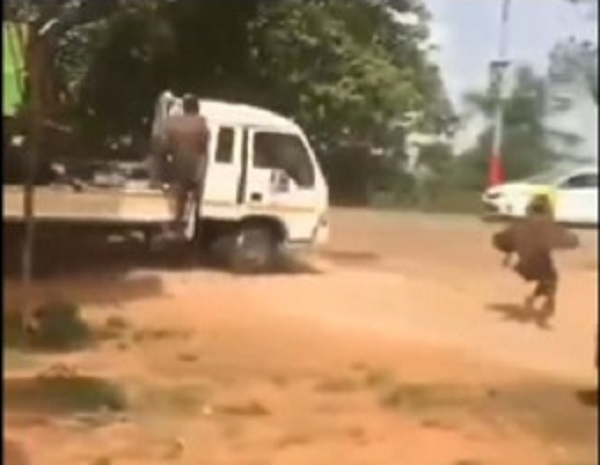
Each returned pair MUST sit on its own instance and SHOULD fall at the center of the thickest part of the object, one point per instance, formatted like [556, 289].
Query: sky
[467, 32]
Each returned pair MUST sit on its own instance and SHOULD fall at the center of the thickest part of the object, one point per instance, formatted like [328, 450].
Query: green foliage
[524, 147]
[575, 62]
[348, 71]
[348, 67]
[59, 326]
[63, 394]
[436, 157]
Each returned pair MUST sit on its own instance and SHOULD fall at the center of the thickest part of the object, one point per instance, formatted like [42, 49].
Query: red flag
[496, 171]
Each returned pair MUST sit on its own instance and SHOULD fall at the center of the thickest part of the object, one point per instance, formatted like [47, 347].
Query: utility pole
[33, 146]
[498, 72]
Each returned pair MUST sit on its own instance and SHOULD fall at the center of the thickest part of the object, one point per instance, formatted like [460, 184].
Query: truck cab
[263, 179]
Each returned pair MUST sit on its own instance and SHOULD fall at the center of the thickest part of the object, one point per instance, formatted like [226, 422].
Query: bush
[59, 326]
[64, 394]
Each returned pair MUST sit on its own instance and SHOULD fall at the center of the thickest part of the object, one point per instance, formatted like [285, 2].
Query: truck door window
[286, 152]
[581, 181]
[224, 153]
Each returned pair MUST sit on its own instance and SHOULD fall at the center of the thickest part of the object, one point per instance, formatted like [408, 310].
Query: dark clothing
[533, 240]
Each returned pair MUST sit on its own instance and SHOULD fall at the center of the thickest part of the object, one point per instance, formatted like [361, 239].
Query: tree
[572, 99]
[525, 149]
[348, 66]
[580, 57]
[576, 63]
[347, 71]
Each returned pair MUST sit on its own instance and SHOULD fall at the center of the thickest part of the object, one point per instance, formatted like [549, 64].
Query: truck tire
[253, 249]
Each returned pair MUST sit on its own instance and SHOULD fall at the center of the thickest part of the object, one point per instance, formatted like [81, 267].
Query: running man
[532, 240]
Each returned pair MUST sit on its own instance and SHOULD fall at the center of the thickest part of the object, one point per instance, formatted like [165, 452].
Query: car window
[224, 153]
[580, 181]
[286, 152]
[546, 177]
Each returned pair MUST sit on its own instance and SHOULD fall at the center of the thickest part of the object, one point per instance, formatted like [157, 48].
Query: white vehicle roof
[559, 173]
[237, 114]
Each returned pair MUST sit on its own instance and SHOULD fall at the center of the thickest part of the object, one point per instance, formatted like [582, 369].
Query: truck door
[282, 180]
[223, 173]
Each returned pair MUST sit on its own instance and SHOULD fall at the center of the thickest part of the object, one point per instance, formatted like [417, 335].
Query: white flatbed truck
[264, 191]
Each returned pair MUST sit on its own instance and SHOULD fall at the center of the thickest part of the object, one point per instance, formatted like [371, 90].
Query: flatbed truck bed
[63, 204]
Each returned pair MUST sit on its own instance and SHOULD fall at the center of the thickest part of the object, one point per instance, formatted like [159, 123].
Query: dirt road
[403, 343]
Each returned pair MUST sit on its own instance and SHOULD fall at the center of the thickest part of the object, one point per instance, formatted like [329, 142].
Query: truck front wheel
[254, 249]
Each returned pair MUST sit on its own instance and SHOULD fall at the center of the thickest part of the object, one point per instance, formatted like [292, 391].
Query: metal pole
[33, 147]
[496, 175]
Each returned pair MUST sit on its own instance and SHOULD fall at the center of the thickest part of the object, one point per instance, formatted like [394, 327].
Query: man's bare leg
[547, 291]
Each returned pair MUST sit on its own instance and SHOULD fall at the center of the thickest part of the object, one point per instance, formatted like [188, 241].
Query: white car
[573, 193]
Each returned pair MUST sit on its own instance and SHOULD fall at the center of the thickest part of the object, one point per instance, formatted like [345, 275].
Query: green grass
[63, 395]
[59, 327]
[15, 359]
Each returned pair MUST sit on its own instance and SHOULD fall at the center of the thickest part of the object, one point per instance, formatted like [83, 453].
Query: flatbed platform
[91, 205]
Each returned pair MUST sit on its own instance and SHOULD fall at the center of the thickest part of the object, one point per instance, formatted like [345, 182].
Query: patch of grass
[293, 440]
[60, 327]
[102, 461]
[158, 334]
[57, 326]
[422, 398]
[180, 400]
[188, 357]
[337, 385]
[248, 409]
[280, 381]
[379, 379]
[359, 367]
[12, 330]
[114, 328]
[117, 323]
[63, 394]
[551, 412]
[17, 360]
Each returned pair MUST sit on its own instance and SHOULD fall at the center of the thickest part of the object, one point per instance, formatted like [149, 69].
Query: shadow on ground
[95, 271]
[349, 257]
[519, 314]
[85, 272]
[588, 397]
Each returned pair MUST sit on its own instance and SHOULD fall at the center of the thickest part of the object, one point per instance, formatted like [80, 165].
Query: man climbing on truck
[185, 139]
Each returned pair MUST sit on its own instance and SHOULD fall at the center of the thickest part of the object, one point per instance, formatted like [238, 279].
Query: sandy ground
[403, 342]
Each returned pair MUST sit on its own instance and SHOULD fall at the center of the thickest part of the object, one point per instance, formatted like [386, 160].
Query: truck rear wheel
[254, 249]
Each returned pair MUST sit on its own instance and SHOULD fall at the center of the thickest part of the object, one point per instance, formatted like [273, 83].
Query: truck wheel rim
[254, 249]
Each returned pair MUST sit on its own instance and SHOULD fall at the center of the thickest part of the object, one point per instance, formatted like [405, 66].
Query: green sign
[14, 37]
